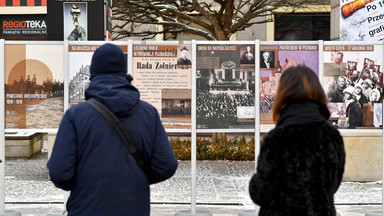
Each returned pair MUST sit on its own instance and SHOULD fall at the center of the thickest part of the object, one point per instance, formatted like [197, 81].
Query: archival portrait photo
[184, 55]
[75, 21]
[247, 54]
[267, 59]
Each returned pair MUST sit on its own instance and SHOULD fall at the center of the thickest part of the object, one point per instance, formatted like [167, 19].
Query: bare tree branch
[210, 19]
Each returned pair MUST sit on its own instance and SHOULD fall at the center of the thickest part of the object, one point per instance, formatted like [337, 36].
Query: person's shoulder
[331, 130]
[78, 110]
[278, 133]
[146, 106]
[78, 107]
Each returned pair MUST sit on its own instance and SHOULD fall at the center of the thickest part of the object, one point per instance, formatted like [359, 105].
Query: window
[302, 27]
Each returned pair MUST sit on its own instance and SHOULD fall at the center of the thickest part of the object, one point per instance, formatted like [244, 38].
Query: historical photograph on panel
[225, 87]
[75, 21]
[352, 76]
[34, 86]
[176, 103]
[163, 75]
[184, 56]
[378, 114]
[286, 56]
[247, 54]
[267, 59]
[79, 62]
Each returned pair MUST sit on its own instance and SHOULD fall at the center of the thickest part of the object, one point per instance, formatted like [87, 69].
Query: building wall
[335, 19]
[258, 31]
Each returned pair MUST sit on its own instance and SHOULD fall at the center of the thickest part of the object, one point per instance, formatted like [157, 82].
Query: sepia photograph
[176, 103]
[34, 87]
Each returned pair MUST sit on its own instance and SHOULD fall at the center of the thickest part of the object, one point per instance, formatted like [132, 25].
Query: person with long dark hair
[301, 161]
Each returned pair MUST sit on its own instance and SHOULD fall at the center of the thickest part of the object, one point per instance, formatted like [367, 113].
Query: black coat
[300, 166]
[355, 114]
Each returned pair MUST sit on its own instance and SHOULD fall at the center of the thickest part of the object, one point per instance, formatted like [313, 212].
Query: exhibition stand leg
[3, 212]
[193, 211]
[190, 213]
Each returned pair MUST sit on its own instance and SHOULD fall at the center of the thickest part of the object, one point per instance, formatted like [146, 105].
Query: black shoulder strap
[116, 124]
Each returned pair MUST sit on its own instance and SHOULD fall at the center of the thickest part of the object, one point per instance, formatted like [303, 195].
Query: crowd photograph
[354, 93]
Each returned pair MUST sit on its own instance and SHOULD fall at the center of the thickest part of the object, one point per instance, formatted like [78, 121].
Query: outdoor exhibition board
[34, 85]
[79, 61]
[225, 85]
[162, 73]
[358, 68]
[43, 79]
[275, 58]
[225, 89]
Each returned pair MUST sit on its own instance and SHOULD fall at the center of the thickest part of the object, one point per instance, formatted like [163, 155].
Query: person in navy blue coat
[90, 159]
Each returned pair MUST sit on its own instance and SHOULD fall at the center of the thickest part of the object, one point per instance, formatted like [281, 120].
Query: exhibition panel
[34, 85]
[225, 85]
[42, 79]
[163, 73]
[275, 58]
[355, 70]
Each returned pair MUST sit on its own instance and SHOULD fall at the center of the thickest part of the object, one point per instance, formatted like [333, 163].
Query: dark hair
[298, 84]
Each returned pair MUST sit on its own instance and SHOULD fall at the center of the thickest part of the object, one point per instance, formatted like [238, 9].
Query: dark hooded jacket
[90, 159]
[300, 166]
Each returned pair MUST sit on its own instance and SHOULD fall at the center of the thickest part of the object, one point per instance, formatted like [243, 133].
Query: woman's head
[298, 84]
[358, 89]
[374, 95]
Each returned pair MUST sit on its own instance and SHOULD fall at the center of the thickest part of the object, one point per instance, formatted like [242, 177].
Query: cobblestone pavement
[222, 189]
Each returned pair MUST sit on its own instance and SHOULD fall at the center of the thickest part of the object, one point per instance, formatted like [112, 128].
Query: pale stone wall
[23, 146]
[363, 158]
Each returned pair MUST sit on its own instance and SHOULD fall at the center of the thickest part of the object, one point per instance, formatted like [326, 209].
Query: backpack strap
[121, 130]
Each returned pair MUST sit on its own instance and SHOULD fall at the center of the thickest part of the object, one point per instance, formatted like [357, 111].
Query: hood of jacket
[115, 92]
